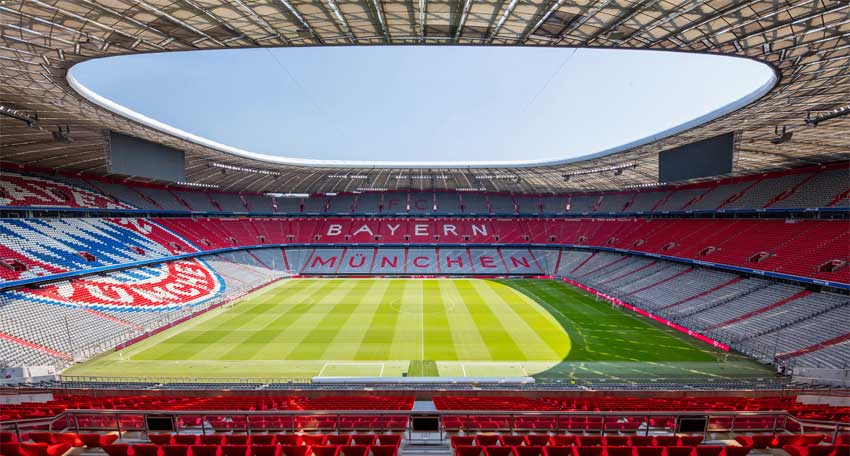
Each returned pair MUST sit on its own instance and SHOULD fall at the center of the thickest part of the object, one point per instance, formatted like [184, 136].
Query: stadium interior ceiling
[807, 42]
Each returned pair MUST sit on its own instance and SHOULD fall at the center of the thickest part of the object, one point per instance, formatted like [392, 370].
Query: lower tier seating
[772, 321]
[62, 322]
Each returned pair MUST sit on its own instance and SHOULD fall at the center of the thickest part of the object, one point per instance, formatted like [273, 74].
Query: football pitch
[304, 328]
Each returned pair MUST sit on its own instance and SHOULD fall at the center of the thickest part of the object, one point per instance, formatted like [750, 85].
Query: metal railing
[249, 422]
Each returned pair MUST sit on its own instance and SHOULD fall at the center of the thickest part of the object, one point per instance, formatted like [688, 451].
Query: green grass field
[423, 327]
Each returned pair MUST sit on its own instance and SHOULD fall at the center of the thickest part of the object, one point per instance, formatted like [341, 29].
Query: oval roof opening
[422, 106]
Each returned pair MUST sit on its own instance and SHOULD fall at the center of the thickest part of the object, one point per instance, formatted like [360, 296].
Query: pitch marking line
[351, 363]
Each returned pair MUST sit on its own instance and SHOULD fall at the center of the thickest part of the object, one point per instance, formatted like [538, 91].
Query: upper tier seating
[29, 191]
[815, 187]
[39, 247]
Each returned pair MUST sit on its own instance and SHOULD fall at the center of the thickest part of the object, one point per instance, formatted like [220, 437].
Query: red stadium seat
[265, 450]
[496, 450]
[262, 439]
[160, 439]
[708, 450]
[554, 450]
[641, 440]
[11, 449]
[211, 439]
[649, 450]
[175, 450]
[679, 451]
[758, 441]
[146, 449]
[288, 439]
[8, 437]
[235, 450]
[97, 440]
[342, 439]
[384, 450]
[666, 440]
[512, 440]
[363, 439]
[590, 440]
[116, 449]
[466, 440]
[353, 450]
[528, 450]
[588, 450]
[691, 440]
[619, 451]
[563, 440]
[237, 439]
[42, 437]
[616, 440]
[469, 450]
[68, 437]
[295, 450]
[736, 451]
[205, 450]
[314, 439]
[389, 439]
[185, 439]
[487, 439]
[537, 440]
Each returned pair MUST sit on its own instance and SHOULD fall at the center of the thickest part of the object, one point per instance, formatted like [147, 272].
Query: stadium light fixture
[600, 169]
[471, 189]
[421, 176]
[347, 176]
[829, 115]
[243, 169]
[63, 136]
[29, 119]
[495, 176]
[288, 195]
[372, 189]
[781, 136]
[647, 185]
[197, 184]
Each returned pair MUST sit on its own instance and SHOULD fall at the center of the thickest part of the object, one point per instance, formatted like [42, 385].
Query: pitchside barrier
[507, 421]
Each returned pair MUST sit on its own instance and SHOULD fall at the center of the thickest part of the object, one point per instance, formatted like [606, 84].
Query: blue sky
[423, 103]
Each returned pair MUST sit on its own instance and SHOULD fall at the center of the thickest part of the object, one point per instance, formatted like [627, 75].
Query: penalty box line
[495, 365]
[352, 363]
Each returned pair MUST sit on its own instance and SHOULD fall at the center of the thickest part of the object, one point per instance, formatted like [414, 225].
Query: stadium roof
[808, 42]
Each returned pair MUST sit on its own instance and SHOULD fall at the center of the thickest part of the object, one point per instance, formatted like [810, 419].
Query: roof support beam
[463, 15]
[423, 6]
[379, 12]
[177, 21]
[502, 20]
[266, 26]
[340, 19]
[301, 19]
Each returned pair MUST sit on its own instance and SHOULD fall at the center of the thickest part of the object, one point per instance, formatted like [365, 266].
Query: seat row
[149, 449]
[576, 440]
[275, 439]
[761, 441]
[817, 450]
[704, 450]
[33, 449]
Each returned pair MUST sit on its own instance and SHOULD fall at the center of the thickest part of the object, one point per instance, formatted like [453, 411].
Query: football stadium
[424, 228]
